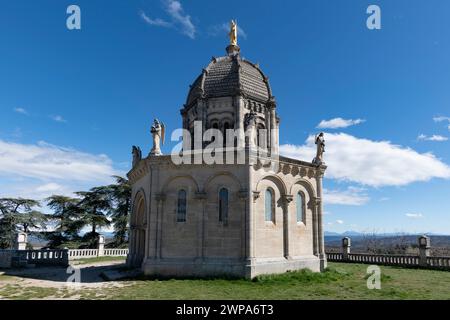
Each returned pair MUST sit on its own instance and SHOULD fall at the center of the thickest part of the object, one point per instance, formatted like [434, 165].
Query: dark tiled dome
[229, 76]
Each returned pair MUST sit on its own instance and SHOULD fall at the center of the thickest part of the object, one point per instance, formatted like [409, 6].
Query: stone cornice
[287, 166]
[140, 170]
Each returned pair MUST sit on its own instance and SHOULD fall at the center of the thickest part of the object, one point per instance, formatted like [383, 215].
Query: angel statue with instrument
[158, 132]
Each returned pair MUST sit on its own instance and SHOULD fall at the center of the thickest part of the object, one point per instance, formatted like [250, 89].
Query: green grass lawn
[340, 281]
[99, 259]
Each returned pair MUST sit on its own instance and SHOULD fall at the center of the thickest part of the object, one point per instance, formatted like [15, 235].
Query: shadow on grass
[300, 276]
[92, 274]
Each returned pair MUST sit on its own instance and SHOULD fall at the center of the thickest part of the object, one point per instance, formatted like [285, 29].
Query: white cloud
[414, 215]
[440, 119]
[339, 222]
[49, 187]
[350, 197]
[434, 137]
[39, 170]
[21, 110]
[372, 163]
[155, 22]
[175, 10]
[443, 119]
[44, 161]
[180, 20]
[338, 123]
[58, 118]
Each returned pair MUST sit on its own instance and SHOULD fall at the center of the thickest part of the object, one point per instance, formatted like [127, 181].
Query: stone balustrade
[50, 257]
[82, 253]
[439, 262]
[40, 257]
[423, 260]
[116, 252]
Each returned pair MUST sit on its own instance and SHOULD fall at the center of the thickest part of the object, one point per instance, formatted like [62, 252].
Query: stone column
[321, 241]
[201, 225]
[424, 250]
[21, 241]
[287, 199]
[250, 223]
[273, 129]
[240, 123]
[243, 197]
[159, 197]
[131, 246]
[101, 245]
[314, 206]
[346, 244]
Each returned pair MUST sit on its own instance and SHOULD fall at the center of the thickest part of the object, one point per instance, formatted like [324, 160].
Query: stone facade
[198, 239]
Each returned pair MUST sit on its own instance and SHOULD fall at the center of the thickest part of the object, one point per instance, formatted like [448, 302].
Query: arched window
[181, 206]
[300, 205]
[269, 205]
[223, 205]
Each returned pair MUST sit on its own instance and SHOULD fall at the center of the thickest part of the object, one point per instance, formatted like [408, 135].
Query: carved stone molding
[287, 198]
[201, 195]
[256, 195]
[138, 172]
[243, 194]
[160, 196]
[317, 200]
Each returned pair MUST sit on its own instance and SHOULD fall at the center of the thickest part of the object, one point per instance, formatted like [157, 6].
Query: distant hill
[387, 243]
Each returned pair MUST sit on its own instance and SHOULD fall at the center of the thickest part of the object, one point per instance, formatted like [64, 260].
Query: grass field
[340, 281]
[99, 259]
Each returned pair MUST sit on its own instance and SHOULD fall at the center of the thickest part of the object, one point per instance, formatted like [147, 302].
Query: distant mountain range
[392, 234]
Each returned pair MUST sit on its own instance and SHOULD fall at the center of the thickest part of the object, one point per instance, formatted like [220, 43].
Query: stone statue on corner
[158, 132]
[320, 143]
[137, 155]
[250, 128]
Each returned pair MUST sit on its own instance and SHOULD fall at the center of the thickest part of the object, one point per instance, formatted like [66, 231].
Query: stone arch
[138, 228]
[234, 223]
[138, 201]
[172, 179]
[307, 185]
[269, 235]
[222, 173]
[276, 180]
[305, 229]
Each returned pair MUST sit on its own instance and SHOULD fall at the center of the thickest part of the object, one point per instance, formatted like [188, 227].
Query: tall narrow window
[270, 205]
[300, 204]
[223, 205]
[181, 208]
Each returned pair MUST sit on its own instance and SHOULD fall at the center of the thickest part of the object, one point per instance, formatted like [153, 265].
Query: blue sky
[73, 102]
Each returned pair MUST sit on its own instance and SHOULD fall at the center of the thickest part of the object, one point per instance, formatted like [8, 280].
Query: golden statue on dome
[233, 33]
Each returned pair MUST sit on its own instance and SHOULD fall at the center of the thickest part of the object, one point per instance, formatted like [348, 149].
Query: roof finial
[233, 49]
[233, 33]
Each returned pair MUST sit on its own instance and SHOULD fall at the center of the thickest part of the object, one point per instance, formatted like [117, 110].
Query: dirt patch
[52, 282]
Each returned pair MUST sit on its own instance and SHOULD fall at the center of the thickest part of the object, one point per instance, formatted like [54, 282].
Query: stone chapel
[260, 216]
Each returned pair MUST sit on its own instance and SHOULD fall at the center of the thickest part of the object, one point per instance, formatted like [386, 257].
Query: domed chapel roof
[229, 76]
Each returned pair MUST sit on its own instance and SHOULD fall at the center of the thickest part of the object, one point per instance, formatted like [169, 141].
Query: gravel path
[57, 277]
